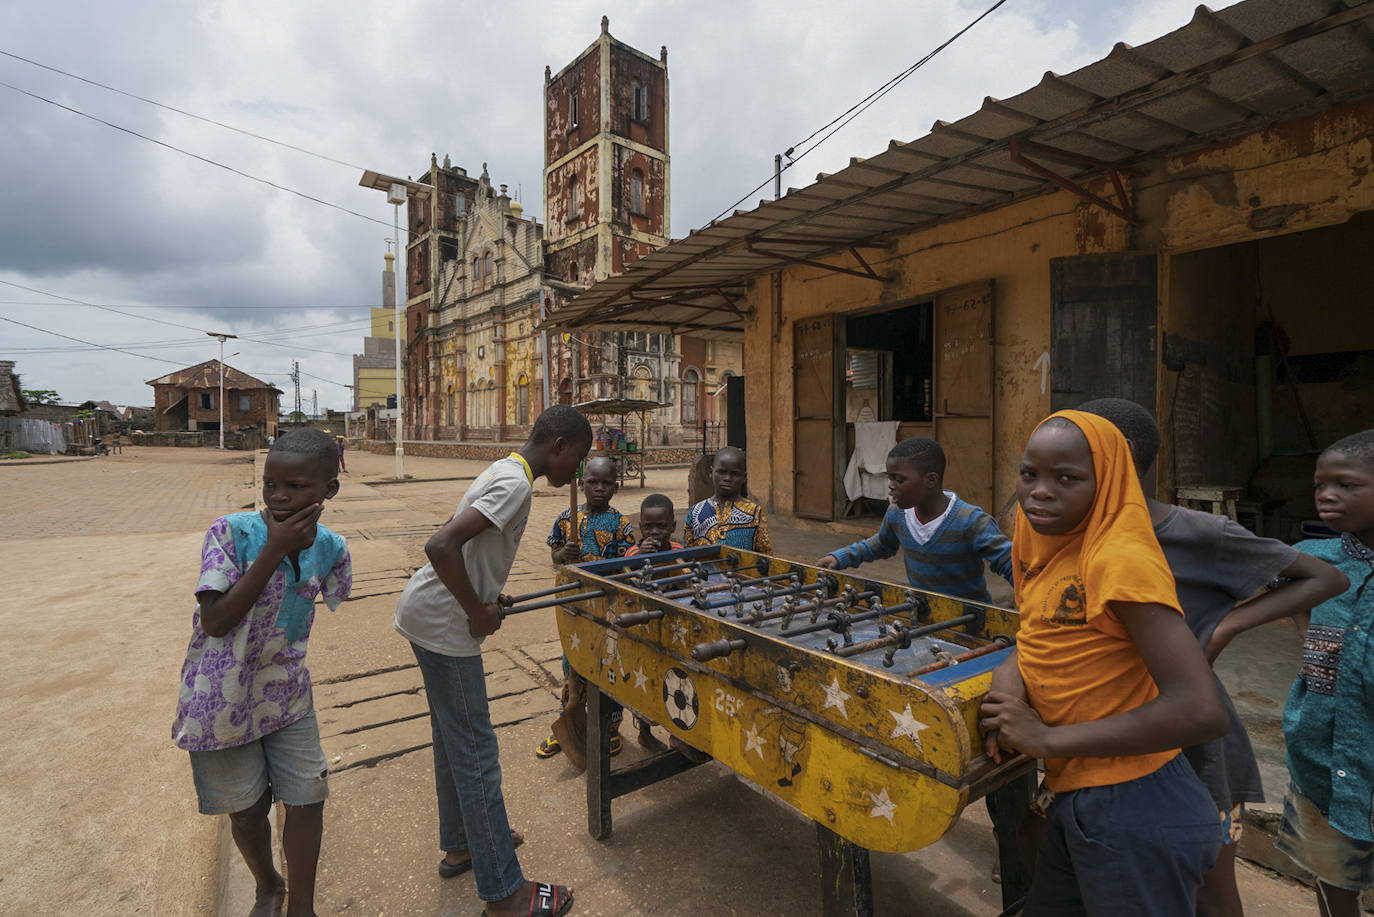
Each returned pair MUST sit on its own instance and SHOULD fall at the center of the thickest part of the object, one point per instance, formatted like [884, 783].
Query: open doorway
[1268, 353]
[924, 367]
[888, 362]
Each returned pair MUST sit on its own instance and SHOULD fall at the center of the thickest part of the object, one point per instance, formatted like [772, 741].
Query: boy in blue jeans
[943, 540]
[1328, 816]
[245, 711]
[446, 610]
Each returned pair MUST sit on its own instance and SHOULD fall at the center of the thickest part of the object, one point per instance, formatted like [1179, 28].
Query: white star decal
[883, 807]
[835, 697]
[575, 641]
[753, 741]
[679, 632]
[641, 680]
[907, 725]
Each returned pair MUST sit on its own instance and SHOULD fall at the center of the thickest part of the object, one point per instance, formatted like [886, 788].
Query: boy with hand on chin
[656, 521]
[943, 539]
[245, 711]
[447, 609]
[603, 533]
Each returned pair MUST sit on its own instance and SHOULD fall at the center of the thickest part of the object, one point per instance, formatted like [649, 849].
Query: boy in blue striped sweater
[943, 540]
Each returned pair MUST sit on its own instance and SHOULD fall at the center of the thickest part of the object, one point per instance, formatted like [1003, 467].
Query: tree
[40, 395]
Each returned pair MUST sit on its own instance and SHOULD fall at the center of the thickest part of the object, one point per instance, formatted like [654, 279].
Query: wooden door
[963, 390]
[1103, 328]
[817, 352]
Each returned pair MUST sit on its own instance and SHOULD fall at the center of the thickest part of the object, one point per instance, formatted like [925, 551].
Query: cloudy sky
[95, 214]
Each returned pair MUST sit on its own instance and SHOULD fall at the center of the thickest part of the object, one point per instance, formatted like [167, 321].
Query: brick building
[480, 276]
[188, 399]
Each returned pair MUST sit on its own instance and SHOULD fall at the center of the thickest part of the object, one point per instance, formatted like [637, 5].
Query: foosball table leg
[1012, 801]
[846, 880]
[599, 793]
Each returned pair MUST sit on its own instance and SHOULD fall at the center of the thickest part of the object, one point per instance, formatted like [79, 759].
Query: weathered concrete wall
[491, 451]
[1011, 246]
[1298, 176]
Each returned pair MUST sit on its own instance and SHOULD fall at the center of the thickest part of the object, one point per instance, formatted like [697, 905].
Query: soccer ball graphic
[680, 698]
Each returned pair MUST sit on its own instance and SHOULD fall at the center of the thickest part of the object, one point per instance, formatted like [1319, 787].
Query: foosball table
[853, 701]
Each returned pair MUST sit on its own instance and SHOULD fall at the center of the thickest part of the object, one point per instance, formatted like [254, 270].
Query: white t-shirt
[924, 531]
[428, 614]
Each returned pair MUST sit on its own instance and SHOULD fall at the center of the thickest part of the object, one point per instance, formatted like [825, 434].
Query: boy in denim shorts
[245, 711]
[1328, 816]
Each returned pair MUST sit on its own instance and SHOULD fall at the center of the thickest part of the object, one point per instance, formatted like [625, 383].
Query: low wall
[490, 452]
[251, 439]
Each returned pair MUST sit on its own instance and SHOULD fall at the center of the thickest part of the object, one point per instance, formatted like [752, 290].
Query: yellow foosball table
[853, 701]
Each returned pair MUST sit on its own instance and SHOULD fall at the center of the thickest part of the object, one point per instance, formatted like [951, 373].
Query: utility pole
[222, 338]
[314, 403]
[296, 378]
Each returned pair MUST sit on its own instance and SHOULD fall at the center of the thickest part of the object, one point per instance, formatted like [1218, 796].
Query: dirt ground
[100, 559]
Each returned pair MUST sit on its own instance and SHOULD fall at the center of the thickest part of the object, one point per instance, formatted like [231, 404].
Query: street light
[396, 192]
[222, 338]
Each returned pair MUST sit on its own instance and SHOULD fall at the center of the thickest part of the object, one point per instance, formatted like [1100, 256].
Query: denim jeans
[467, 773]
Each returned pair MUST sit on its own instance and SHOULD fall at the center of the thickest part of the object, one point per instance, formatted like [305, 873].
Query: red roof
[206, 375]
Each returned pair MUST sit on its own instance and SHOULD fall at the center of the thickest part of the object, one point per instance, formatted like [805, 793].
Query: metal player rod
[767, 596]
[1000, 642]
[838, 623]
[549, 603]
[639, 571]
[906, 633]
[721, 587]
[699, 573]
[531, 596]
[762, 616]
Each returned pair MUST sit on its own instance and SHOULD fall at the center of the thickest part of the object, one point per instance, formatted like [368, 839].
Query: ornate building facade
[479, 274]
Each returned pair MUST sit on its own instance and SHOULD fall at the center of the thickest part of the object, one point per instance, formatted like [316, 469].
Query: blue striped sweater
[951, 562]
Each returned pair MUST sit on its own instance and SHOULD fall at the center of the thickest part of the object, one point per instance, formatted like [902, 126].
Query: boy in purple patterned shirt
[245, 711]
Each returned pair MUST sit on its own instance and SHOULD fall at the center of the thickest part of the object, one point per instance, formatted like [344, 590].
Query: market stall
[614, 442]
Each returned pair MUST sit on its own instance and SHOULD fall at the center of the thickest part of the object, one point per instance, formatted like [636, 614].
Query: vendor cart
[629, 460]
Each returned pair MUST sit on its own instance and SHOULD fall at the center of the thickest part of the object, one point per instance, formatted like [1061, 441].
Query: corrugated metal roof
[1224, 74]
[206, 375]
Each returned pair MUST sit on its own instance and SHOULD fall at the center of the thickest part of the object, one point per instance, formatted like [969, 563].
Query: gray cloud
[95, 214]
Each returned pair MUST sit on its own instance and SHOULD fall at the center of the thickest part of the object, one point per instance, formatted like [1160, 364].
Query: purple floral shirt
[253, 681]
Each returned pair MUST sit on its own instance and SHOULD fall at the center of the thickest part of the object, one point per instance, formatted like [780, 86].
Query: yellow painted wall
[383, 324]
[375, 385]
[1302, 175]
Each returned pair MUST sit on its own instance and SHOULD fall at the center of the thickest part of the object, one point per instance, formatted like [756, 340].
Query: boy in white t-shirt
[447, 609]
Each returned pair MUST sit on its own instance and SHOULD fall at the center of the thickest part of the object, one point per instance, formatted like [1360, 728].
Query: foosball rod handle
[705, 652]
[549, 603]
[531, 596]
[635, 618]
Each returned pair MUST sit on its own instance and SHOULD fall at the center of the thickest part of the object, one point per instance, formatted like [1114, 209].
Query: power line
[146, 318]
[857, 109]
[192, 307]
[92, 343]
[196, 156]
[229, 127]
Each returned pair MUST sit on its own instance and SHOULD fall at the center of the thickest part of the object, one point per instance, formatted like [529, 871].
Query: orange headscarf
[1077, 659]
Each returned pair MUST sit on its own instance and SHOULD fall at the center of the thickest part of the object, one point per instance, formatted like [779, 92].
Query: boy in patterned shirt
[727, 517]
[603, 533]
[1328, 817]
[245, 711]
